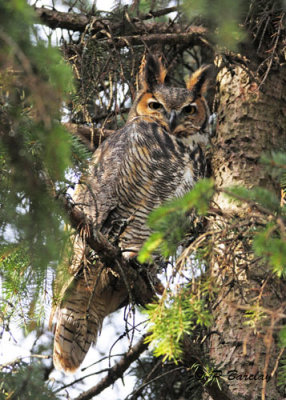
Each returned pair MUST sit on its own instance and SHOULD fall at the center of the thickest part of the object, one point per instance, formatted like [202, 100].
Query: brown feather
[134, 171]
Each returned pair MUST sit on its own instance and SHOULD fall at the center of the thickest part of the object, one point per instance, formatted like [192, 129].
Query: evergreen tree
[218, 330]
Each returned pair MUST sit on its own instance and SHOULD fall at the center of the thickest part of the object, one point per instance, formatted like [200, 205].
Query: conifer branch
[102, 28]
[78, 22]
[90, 136]
[192, 38]
[64, 20]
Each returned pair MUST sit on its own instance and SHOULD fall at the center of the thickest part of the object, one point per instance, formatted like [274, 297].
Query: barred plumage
[155, 157]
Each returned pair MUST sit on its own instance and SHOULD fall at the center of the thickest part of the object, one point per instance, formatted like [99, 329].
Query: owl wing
[95, 194]
[93, 291]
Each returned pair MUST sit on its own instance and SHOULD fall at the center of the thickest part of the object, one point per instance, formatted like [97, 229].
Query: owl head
[183, 112]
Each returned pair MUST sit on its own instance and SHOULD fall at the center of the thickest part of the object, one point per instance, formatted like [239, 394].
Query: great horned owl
[155, 157]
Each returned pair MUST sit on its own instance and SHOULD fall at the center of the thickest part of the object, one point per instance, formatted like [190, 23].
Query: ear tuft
[200, 80]
[151, 73]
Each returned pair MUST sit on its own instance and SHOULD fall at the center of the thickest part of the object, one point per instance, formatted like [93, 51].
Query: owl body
[155, 157]
[144, 158]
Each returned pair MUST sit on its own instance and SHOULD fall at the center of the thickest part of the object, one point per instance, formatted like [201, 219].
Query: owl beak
[173, 120]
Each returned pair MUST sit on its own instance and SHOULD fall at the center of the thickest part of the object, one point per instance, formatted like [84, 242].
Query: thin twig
[116, 371]
[20, 359]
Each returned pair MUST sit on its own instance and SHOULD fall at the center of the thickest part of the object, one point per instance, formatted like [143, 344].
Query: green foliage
[282, 373]
[269, 241]
[178, 314]
[80, 155]
[276, 166]
[171, 318]
[255, 316]
[35, 150]
[57, 152]
[208, 374]
[146, 5]
[271, 246]
[262, 196]
[24, 290]
[282, 368]
[171, 222]
[276, 162]
[223, 16]
[282, 336]
[25, 381]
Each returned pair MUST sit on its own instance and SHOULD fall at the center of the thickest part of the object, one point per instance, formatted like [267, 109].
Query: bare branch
[18, 360]
[141, 33]
[159, 13]
[78, 22]
[90, 136]
[193, 38]
[64, 20]
[116, 371]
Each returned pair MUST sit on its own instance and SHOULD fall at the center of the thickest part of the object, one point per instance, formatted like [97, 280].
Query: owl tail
[90, 297]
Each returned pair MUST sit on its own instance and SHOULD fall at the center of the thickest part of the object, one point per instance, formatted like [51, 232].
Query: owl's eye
[154, 105]
[190, 109]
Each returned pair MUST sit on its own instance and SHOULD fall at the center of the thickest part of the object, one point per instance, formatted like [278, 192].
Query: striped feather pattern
[139, 167]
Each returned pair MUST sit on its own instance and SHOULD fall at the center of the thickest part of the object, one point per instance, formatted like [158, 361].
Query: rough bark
[191, 38]
[78, 22]
[64, 20]
[251, 122]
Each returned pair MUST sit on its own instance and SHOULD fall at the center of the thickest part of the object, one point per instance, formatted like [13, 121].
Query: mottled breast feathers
[154, 167]
[158, 155]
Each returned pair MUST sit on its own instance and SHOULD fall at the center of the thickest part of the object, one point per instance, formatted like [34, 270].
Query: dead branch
[90, 136]
[192, 38]
[116, 371]
[64, 20]
[19, 360]
[159, 13]
[104, 28]
[78, 22]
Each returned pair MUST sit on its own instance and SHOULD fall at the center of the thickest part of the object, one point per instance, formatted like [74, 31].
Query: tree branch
[64, 20]
[114, 32]
[158, 13]
[78, 22]
[138, 282]
[116, 371]
[189, 38]
[90, 136]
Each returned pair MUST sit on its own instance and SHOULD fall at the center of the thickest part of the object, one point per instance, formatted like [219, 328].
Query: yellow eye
[154, 105]
[190, 109]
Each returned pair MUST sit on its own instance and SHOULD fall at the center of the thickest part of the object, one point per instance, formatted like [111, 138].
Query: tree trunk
[251, 121]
